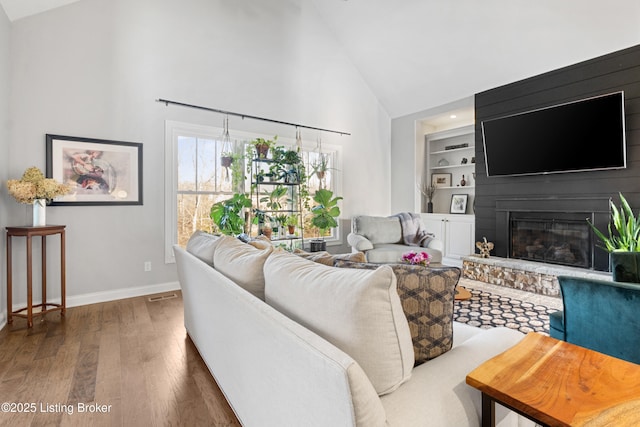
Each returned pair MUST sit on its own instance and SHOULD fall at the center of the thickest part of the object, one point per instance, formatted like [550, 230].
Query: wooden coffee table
[559, 384]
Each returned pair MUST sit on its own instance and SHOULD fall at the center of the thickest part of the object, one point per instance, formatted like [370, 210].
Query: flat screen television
[583, 135]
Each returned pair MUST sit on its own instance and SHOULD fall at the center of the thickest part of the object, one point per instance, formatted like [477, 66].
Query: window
[196, 178]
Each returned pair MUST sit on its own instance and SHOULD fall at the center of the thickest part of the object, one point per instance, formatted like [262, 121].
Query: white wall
[94, 69]
[408, 151]
[5, 28]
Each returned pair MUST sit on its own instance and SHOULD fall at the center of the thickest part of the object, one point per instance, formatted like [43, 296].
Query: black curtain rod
[247, 116]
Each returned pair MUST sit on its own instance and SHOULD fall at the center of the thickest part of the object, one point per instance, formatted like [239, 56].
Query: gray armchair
[381, 239]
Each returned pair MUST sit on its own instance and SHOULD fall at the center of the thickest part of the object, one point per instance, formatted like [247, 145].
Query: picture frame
[99, 172]
[440, 180]
[459, 203]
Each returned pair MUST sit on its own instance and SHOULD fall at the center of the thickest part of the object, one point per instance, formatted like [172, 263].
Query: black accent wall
[613, 72]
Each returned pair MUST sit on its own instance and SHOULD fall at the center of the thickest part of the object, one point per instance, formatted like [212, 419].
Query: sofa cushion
[427, 296]
[202, 245]
[358, 311]
[326, 258]
[437, 394]
[242, 263]
[378, 229]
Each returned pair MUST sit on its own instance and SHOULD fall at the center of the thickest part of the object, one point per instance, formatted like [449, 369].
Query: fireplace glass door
[551, 238]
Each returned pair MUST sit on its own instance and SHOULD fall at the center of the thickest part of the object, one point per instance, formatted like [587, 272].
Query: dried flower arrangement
[33, 186]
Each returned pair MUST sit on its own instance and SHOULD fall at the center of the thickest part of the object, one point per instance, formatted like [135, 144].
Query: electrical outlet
[147, 266]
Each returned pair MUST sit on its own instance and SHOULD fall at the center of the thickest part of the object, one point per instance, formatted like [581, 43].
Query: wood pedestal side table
[556, 383]
[45, 307]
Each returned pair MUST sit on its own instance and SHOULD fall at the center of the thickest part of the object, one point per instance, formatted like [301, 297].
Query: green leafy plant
[262, 146]
[325, 211]
[237, 172]
[626, 225]
[227, 214]
[275, 199]
[292, 220]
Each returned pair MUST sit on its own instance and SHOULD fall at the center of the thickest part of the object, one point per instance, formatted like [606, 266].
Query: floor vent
[162, 297]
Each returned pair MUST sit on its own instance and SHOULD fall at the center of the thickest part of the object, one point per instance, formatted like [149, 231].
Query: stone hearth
[528, 276]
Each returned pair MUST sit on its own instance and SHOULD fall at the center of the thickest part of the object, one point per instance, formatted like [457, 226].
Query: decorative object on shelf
[33, 188]
[416, 258]
[463, 182]
[441, 180]
[443, 162]
[99, 172]
[484, 247]
[428, 192]
[456, 146]
[458, 203]
[623, 247]
[324, 212]
[464, 161]
[227, 215]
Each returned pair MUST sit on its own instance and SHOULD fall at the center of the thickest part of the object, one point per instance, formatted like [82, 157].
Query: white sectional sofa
[280, 364]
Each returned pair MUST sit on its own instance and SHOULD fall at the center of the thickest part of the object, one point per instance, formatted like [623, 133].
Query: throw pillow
[202, 245]
[242, 263]
[326, 258]
[358, 311]
[260, 242]
[427, 295]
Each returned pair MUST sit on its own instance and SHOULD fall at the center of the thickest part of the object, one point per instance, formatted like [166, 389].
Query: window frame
[176, 129]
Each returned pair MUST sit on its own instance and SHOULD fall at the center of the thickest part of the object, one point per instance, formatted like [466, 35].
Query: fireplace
[552, 230]
[551, 237]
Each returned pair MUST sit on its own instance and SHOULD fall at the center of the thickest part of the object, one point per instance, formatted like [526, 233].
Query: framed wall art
[440, 180]
[459, 203]
[99, 172]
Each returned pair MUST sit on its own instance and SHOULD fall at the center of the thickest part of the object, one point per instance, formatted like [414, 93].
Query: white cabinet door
[460, 234]
[457, 232]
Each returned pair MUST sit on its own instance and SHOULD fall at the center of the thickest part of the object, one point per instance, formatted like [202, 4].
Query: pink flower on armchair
[416, 258]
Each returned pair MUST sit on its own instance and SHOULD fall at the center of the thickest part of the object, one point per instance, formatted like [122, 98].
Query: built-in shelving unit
[450, 160]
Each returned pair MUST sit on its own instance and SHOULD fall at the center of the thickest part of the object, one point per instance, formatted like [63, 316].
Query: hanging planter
[226, 160]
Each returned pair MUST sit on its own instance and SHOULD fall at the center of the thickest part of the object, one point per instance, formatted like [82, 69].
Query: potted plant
[324, 214]
[226, 159]
[262, 146]
[275, 199]
[320, 166]
[227, 214]
[292, 223]
[624, 245]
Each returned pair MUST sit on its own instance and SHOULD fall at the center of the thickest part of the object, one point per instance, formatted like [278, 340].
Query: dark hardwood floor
[119, 363]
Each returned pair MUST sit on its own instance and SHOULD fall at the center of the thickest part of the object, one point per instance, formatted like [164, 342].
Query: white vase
[39, 212]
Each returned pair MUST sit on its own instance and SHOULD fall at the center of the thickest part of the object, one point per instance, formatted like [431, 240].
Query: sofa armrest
[436, 244]
[358, 242]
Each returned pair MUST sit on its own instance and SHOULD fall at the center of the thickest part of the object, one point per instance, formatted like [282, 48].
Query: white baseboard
[97, 297]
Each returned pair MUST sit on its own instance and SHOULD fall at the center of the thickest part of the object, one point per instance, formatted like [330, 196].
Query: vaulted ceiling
[419, 54]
